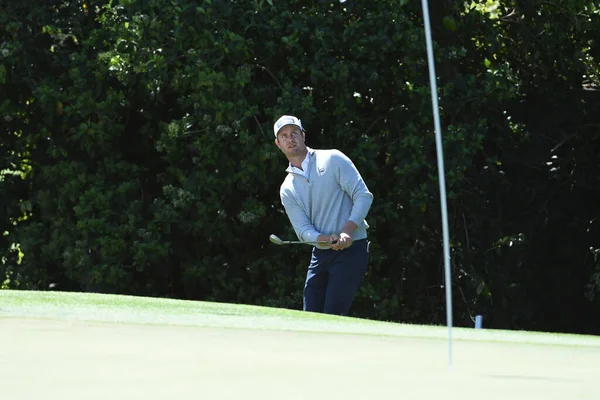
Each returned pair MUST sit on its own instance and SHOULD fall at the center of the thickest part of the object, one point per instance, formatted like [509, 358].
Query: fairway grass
[69, 346]
[148, 310]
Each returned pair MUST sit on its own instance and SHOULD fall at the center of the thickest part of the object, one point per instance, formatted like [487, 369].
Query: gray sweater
[331, 194]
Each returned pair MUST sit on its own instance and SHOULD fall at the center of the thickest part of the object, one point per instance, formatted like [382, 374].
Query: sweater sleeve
[300, 221]
[352, 183]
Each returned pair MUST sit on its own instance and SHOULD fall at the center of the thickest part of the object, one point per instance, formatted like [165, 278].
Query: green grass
[146, 310]
[92, 346]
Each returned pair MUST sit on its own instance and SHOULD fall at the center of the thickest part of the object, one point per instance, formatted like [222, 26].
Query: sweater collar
[309, 155]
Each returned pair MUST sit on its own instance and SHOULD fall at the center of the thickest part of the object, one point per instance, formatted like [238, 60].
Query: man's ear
[277, 143]
[303, 136]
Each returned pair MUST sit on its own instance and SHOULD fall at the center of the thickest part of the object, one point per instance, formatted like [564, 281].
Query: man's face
[290, 141]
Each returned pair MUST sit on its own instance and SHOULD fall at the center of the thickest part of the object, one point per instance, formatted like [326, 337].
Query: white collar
[304, 164]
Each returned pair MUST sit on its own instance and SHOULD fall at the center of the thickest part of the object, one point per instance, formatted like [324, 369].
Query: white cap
[286, 120]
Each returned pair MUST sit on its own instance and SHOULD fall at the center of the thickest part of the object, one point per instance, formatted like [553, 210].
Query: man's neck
[296, 161]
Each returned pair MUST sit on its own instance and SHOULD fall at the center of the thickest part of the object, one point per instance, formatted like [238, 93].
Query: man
[326, 200]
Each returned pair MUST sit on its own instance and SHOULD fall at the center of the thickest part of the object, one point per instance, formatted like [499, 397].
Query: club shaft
[309, 243]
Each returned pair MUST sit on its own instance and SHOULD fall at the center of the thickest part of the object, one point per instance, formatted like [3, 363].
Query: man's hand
[328, 238]
[344, 241]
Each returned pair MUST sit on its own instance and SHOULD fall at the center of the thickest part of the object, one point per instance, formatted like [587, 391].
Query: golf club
[275, 239]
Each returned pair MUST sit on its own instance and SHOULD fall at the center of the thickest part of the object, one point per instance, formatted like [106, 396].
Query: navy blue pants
[333, 278]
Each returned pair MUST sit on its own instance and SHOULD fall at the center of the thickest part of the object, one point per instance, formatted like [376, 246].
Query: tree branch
[270, 73]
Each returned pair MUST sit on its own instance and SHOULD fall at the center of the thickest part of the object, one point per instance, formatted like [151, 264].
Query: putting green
[83, 346]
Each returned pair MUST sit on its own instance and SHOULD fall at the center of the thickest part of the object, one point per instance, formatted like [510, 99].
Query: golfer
[326, 200]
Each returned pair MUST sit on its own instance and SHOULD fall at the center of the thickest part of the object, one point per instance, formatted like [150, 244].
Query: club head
[275, 239]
